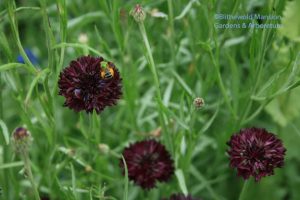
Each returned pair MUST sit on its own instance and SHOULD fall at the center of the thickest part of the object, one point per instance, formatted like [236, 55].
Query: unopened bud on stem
[138, 13]
[21, 140]
[199, 102]
[103, 148]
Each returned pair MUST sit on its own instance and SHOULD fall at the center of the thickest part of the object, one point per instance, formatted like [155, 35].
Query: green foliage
[247, 77]
[291, 21]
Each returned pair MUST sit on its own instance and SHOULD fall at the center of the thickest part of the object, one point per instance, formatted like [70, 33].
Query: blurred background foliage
[247, 77]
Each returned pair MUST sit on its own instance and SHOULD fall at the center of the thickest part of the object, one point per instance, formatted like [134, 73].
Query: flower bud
[88, 168]
[138, 13]
[199, 102]
[21, 140]
[83, 38]
[103, 148]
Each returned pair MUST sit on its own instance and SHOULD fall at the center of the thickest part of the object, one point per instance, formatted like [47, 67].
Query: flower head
[138, 13]
[89, 83]
[255, 152]
[21, 140]
[147, 162]
[181, 197]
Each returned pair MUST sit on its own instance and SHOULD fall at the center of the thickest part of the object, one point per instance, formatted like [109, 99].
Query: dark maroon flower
[148, 161]
[89, 83]
[255, 152]
[181, 197]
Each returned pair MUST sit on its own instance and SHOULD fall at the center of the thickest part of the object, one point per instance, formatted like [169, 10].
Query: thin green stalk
[27, 8]
[171, 15]
[244, 190]
[63, 31]
[236, 6]
[156, 82]
[234, 12]
[90, 135]
[256, 82]
[221, 84]
[172, 32]
[50, 40]
[14, 28]
[1, 98]
[30, 176]
[199, 176]
[151, 60]
[126, 180]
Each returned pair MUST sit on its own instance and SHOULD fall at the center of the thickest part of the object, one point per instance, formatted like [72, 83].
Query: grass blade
[4, 132]
[181, 181]
[125, 195]
[33, 84]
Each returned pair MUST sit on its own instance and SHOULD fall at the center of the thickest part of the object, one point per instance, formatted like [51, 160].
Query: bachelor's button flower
[255, 152]
[148, 162]
[89, 83]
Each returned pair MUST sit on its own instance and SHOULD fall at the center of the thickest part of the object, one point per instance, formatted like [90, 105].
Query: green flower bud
[103, 148]
[138, 13]
[199, 102]
[21, 140]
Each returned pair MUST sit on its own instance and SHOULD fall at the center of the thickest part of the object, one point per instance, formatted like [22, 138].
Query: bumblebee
[107, 71]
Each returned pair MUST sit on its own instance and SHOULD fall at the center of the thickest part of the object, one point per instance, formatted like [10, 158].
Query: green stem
[171, 15]
[90, 135]
[1, 98]
[171, 22]
[151, 60]
[30, 176]
[256, 82]
[221, 84]
[15, 32]
[244, 190]
[156, 82]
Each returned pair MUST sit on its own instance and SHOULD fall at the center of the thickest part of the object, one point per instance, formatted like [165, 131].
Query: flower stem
[151, 60]
[30, 176]
[15, 33]
[156, 82]
[171, 24]
[221, 84]
[244, 190]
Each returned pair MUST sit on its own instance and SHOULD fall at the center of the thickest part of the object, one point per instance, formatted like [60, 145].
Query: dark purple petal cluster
[20, 133]
[255, 152]
[84, 88]
[181, 197]
[148, 162]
